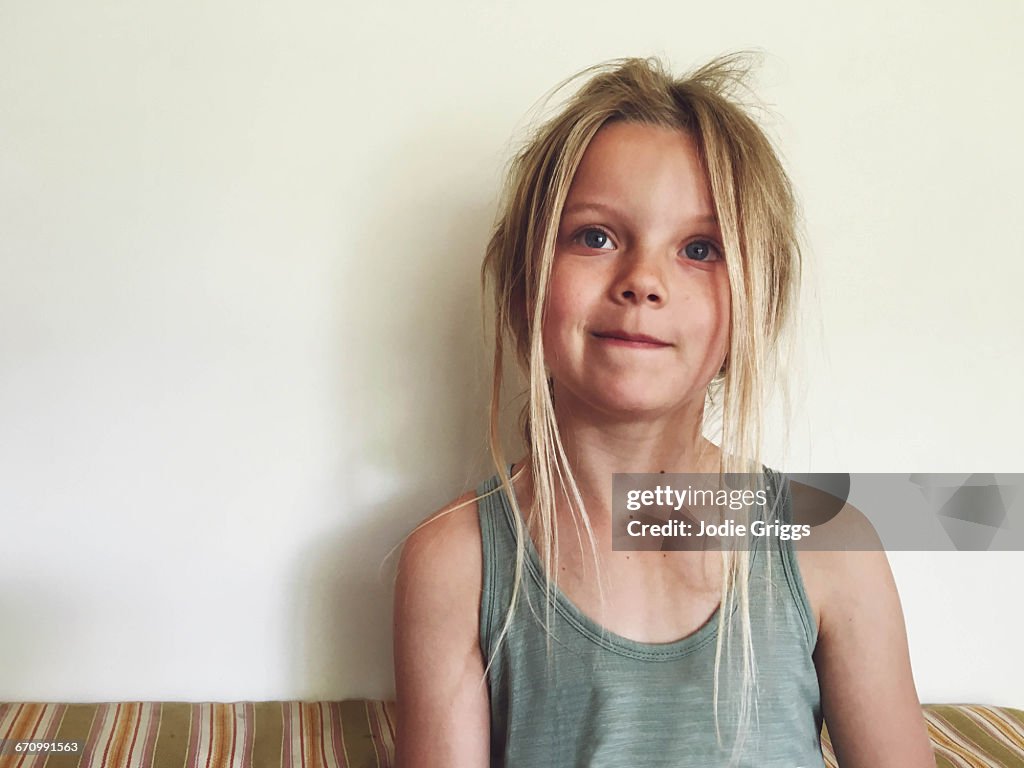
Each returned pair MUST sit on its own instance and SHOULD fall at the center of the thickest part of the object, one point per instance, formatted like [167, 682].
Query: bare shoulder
[862, 657]
[848, 557]
[442, 555]
[442, 706]
[458, 517]
[838, 561]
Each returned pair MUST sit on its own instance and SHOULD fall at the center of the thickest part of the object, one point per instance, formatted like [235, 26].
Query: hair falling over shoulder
[757, 212]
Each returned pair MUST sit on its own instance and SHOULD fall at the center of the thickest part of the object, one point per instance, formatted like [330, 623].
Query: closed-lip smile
[618, 334]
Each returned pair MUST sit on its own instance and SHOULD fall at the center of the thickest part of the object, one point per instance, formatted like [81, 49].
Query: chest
[662, 597]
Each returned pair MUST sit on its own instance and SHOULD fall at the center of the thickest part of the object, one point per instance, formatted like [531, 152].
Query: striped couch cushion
[349, 734]
[357, 733]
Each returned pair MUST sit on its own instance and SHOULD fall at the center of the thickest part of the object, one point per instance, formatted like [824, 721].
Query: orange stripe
[325, 729]
[17, 733]
[949, 756]
[24, 715]
[1000, 714]
[209, 744]
[113, 726]
[315, 736]
[125, 725]
[956, 741]
[11, 712]
[222, 732]
[38, 719]
[1004, 737]
[825, 738]
[975, 748]
[938, 737]
[135, 736]
[234, 735]
[941, 744]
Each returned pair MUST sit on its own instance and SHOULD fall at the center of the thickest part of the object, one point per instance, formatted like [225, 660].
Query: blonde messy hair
[757, 214]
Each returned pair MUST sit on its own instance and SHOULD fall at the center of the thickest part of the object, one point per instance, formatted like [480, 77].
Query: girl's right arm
[442, 711]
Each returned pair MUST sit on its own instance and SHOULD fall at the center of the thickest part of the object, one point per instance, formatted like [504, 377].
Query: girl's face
[638, 253]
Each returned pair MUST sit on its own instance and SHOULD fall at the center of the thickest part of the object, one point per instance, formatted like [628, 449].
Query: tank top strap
[786, 550]
[489, 510]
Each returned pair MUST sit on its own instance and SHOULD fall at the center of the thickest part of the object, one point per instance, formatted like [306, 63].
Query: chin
[632, 402]
[617, 396]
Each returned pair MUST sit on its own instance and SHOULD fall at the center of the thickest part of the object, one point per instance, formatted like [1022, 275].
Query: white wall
[239, 333]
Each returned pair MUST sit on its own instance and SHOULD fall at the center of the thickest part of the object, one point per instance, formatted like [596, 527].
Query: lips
[625, 336]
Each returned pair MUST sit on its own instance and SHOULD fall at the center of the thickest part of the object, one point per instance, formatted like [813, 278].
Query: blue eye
[595, 238]
[701, 250]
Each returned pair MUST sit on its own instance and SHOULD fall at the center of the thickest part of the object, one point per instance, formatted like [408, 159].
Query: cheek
[721, 311]
[709, 318]
[565, 311]
[557, 322]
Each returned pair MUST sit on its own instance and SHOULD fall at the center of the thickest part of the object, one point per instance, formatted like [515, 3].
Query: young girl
[644, 262]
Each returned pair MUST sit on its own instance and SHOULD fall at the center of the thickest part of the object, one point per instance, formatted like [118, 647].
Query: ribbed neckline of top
[598, 634]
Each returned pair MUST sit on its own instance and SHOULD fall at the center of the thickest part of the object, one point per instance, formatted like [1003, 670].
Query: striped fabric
[357, 733]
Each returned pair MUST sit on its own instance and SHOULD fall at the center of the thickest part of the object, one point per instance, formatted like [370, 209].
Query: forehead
[644, 167]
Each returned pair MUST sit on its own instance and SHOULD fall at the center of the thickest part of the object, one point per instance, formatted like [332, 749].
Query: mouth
[635, 340]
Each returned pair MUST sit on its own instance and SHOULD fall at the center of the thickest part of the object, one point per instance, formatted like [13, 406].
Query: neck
[597, 448]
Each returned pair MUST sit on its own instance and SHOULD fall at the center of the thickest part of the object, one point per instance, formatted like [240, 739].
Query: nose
[640, 278]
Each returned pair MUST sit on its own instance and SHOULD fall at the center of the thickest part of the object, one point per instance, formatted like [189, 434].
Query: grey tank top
[606, 701]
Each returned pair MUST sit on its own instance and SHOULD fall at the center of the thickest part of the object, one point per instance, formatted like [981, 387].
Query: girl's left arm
[869, 700]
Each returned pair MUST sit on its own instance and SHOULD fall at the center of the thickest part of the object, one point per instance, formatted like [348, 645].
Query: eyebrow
[602, 208]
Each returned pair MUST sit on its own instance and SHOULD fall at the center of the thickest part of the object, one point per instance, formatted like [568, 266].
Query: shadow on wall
[413, 377]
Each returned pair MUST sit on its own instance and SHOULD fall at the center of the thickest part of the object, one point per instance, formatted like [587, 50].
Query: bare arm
[869, 700]
[443, 712]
